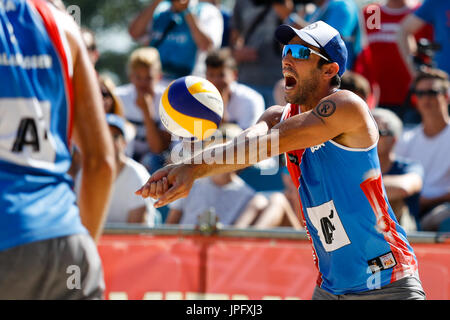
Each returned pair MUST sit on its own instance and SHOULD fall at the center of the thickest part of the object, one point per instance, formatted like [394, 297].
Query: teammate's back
[34, 132]
[47, 85]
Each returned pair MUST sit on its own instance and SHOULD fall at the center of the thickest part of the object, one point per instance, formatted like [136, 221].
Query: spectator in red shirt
[380, 61]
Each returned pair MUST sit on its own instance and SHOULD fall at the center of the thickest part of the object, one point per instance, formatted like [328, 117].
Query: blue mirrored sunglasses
[299, 51]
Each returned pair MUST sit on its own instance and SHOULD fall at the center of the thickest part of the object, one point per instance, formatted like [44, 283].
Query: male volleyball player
[330, 141]
[48, 84]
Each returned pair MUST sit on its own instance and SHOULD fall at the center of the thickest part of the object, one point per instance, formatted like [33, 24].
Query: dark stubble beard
[306, 89]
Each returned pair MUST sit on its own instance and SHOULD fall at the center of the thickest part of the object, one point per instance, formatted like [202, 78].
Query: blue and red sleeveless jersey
[358, 244]
[36, 197]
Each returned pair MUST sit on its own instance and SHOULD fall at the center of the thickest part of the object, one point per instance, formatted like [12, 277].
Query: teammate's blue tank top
[357, 242]
[36, 197]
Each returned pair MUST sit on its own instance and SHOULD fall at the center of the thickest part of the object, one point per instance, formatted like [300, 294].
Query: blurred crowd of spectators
[398, 63]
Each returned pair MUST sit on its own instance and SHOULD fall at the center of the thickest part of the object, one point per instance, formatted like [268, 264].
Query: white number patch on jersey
[25, 137]
[329, 227]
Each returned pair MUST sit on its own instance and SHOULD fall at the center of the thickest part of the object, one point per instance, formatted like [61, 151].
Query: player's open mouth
[289, 82]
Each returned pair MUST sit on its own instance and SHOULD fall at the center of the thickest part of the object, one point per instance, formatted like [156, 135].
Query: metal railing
[277, 233]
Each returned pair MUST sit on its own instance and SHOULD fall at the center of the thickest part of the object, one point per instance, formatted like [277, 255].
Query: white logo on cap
[312, 26]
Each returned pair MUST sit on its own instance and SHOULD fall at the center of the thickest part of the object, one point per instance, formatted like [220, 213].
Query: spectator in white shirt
[429, 144]
[126, 207]
[140, 101]
[242, 105]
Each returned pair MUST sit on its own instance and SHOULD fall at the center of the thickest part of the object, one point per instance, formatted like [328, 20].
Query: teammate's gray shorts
[56, 269]
[408, 288]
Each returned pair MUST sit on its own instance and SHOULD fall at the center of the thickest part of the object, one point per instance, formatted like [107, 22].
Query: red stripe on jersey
[295, 173]
[53, 32]
[406, 263]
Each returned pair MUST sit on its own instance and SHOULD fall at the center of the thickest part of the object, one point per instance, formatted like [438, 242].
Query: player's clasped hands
[168, 184]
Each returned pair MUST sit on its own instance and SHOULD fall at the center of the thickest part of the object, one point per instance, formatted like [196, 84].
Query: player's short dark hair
[336, 80]
[221, 58]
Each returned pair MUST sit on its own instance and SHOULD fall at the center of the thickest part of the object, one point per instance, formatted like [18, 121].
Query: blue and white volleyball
[191, 107]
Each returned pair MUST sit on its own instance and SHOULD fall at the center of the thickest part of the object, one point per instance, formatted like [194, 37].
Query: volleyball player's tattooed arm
[324, 110]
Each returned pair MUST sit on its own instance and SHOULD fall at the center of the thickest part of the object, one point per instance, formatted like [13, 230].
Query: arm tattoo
[317, 116]
[326, 108]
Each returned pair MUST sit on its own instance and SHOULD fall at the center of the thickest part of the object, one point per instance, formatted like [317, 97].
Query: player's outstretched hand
[168, 184]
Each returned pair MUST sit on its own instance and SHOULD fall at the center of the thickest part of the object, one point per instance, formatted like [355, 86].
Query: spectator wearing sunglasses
[428, 143]
[403, 178]
[111, 102]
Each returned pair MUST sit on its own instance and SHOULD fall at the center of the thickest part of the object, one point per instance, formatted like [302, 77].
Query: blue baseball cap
[318, 34]
[116, 121]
